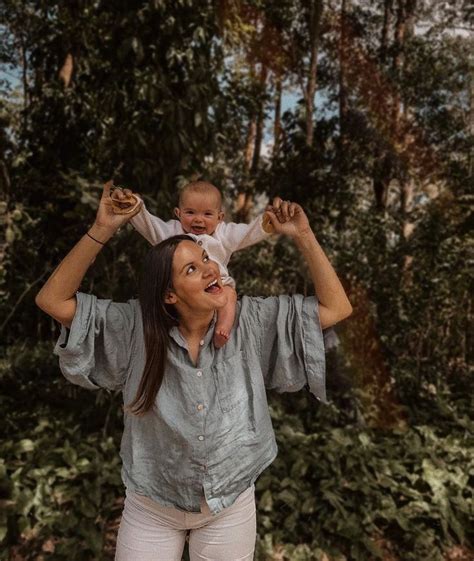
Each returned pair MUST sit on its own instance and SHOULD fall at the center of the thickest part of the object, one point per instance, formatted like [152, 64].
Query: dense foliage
[157, 92]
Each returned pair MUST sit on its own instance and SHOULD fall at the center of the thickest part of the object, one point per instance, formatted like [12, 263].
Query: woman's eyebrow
[192, 262]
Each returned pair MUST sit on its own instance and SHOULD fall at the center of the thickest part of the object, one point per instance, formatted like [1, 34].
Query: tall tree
[305, 46]
[315, 19]
[344, 53]
[404, 27]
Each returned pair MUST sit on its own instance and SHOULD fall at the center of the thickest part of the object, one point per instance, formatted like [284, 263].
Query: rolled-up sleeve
[96, 351]
[286, 336]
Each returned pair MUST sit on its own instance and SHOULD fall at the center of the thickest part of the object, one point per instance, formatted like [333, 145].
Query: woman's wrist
[100, 233]
[303, 237]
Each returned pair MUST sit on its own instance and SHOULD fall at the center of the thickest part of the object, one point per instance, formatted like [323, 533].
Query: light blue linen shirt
[209, 432]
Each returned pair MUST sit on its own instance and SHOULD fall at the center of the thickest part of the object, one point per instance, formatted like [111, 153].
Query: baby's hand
[267, 225]
[125, 202]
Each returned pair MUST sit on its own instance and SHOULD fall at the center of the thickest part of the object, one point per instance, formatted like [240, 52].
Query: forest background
[361, 111]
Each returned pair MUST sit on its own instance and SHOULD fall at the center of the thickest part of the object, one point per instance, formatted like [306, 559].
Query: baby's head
[200, 208]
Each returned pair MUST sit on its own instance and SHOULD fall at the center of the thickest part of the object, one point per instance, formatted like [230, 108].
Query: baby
[199, 214]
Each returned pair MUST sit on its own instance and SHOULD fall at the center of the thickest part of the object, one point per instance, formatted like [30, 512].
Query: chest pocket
[232, 382]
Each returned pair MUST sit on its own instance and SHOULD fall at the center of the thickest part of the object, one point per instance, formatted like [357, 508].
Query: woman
[197, 429]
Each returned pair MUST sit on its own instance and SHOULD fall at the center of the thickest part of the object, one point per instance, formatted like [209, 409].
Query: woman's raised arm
[57, 297]
[290, 219]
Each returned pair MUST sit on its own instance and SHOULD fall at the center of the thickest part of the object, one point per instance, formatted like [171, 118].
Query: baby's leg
[225, 318]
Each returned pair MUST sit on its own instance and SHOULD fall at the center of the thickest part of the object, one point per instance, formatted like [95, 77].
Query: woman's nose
[210, 270]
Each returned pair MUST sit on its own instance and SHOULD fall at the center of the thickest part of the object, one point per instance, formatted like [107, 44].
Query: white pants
[151, 532]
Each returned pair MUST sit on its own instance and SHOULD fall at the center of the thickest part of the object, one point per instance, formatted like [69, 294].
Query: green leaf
[25, 445]
[266, 501]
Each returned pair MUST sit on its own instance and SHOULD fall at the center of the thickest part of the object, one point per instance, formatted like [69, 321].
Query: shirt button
[199, 242]
[201, 342]
[200, 437]
[203, 468]
[199, 373]
[200, 407]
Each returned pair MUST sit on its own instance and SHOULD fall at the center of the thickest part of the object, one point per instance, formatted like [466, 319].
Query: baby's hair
[202, 187]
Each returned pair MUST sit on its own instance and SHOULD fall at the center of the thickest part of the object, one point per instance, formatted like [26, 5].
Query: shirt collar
[180, 340]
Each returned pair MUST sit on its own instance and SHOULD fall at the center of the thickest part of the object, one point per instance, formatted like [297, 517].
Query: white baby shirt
[227, 238]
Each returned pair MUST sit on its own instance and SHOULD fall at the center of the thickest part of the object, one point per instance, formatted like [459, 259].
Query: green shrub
[334, 492]
[345, 490]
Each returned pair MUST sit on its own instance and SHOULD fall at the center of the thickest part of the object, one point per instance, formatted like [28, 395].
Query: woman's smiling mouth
[213, 287]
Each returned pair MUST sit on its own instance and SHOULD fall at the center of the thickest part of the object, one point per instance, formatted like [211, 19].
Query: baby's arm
[153, 228]
[225, 317]
[239, 236]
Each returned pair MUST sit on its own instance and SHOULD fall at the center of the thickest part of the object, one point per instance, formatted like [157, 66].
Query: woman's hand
[107, 222]
[288, 218]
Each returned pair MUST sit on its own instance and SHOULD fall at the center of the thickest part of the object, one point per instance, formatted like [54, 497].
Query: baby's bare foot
[220, 338]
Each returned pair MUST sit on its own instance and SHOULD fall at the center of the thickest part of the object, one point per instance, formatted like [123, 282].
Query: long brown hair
[158, 318]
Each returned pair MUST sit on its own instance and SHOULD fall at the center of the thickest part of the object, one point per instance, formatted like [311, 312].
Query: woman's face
[197, 285]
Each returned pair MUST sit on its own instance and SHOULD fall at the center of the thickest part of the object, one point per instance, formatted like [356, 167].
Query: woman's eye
[190, 269]
[205, 258]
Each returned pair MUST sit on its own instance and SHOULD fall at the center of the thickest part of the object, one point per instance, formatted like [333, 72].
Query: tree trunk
[382, 175]
[397, 67]
[5, 189]
[277, 119]
[404, 26]
[260, 121]
[343, 57]
[387, 16]
[243, 202]
[407, 193]
[253, 149]
[24, 78]
[316, 13]
[368, 361]
[250, 143]
[383, 166]
[403, 29]
[471, 121]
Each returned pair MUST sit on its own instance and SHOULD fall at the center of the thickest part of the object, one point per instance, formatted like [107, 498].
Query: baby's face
[199, 213]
